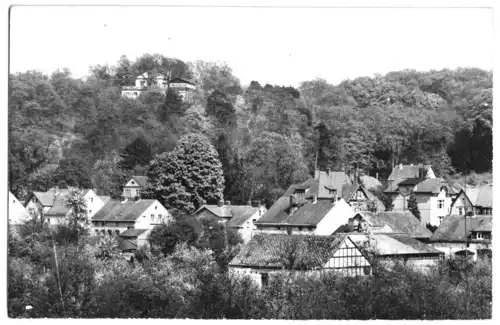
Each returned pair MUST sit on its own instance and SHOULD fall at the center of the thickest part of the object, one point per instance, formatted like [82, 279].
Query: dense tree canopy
[187, 177]
[60, 126]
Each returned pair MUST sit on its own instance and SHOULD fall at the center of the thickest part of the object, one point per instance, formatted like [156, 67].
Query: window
[156, 207]
[441, 219]
[264, 278]
[479, 235]
[91, 199]
[117, 232]
[440, 204]
[460, 211]
[110, 233]
[152, 218]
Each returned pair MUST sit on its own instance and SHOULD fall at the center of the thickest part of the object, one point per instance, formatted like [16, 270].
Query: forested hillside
[66, 131]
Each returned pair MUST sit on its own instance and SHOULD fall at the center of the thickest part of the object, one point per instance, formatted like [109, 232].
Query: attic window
[300, 191]
[91, 199]
[132, 182]
[156, 207]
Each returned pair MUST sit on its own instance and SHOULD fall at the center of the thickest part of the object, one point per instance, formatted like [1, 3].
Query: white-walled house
[459, 233]
[478, 200]
[270, 254]
[134, 187]
[38, 203]
[310, 216]
[239, 217]
[130, 218]
[17, 212]
[58, 213]
[392, 247]
[159, 84]
[434, 197]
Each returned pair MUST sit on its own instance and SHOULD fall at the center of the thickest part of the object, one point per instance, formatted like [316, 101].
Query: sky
[282, 46]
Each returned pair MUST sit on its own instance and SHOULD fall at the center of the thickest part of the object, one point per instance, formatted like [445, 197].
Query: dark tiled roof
[406, 171]
[288, 251]
[122, 211]
[141, 180]
[405, 222]
[321, 186]
[410, 181]
[453, 227]
[432, 185]
[332, 180]
[58, 209]
[241, 214]
[307, 213]
[127, 244]
[133, 232]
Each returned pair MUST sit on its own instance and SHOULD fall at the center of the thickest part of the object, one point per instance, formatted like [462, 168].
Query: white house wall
[459, 203]
[17, 212]
[339, 215]
[249, 226]
[435, 212]
[94, 203]
[151, 217]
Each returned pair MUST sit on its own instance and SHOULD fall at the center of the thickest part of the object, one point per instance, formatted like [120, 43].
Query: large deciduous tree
[187, 177]
[137, 153]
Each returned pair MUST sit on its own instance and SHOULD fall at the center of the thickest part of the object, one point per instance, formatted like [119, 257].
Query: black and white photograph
[249, 161]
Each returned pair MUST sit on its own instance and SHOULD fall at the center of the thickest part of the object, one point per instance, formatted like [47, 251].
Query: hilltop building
[159, 84]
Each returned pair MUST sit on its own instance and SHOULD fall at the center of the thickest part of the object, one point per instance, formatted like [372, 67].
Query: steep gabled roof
[432, 185]
[306, 214]
[453, 227]
[279, 251]
[58, 208]
[403, 172]
[123, 211]
[404, 222]
[481, 196]
[332, 180]
[241, 214]
[140, 180]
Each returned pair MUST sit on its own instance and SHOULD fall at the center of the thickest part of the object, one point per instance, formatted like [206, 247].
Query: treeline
[185, 277]
[66, 131]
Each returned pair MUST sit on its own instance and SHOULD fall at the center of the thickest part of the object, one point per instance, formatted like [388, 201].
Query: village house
[459, 234]
[269, 254]
[388, 222]
[434, 197]
[394, 247]
[313, 207]
[403, 172]
[478, 200]
[159, 84]
[241, 218]
[360, 199]
[59, 212]
[130, 219]
[17, 212]
[134, 187]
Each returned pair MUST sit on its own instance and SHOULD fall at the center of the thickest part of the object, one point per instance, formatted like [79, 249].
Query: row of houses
[159, 84]
[324, 223]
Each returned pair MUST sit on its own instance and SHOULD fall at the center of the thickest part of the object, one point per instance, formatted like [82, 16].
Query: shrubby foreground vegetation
[185, 278]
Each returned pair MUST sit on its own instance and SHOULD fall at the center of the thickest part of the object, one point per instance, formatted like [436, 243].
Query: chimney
[316, 173]
[328, 170]
[249, 203]
[334, 198]
[376, 176]
[56, 190]
[400, 166]
[227, 203]
[137, 198]
[314, 198]
[220, 203]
